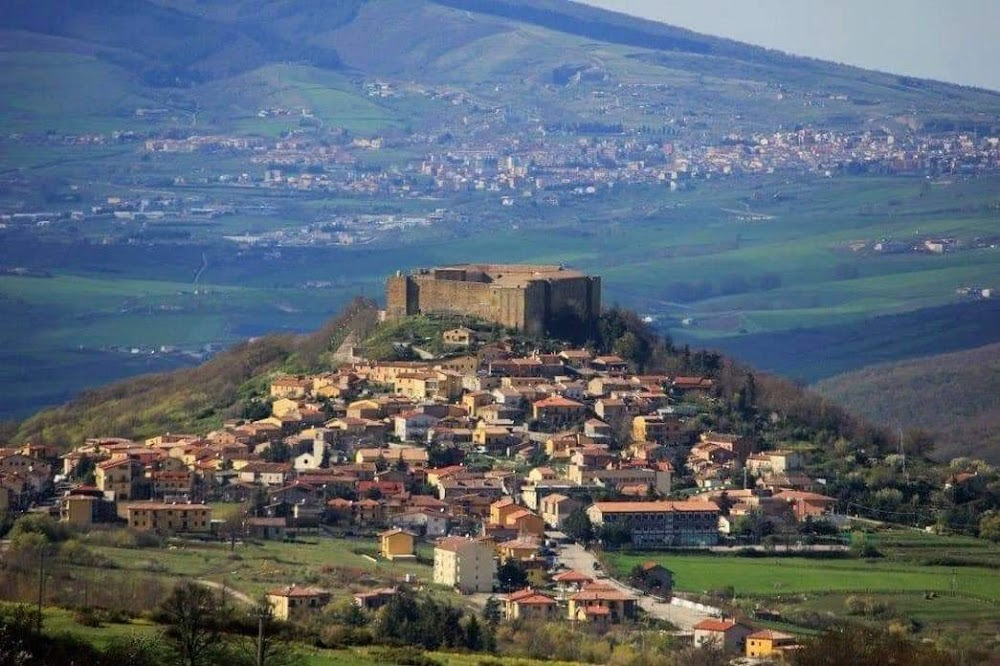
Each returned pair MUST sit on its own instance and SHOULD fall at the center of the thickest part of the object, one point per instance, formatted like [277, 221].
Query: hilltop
[956, 396]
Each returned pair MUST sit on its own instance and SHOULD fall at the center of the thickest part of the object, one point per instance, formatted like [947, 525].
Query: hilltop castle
[534, 299]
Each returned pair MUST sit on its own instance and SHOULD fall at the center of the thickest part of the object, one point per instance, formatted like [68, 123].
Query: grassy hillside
[189, 56]
[956, 395]
[195, 399]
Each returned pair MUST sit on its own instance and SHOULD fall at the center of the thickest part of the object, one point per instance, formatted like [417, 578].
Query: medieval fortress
[534, 299]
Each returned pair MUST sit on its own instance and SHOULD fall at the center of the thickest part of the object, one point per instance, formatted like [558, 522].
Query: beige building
[293, 604]
[395, 544]
[117, 476]
[530, 605]
[465, 564]
[556, 507]
[163, 517]
[77, 510]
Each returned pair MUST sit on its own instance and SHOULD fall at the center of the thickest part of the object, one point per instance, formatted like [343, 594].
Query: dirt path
[235, 594]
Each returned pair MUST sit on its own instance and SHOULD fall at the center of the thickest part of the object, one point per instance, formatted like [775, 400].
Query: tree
[615, 536]
[192, 615]
[989, 526]
[473, 634]
[578, 526]
[491, 612]
[278, 452]
[754, 525]
[918, 443]
[511, 576]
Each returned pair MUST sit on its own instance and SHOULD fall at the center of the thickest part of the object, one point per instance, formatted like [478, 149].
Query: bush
[87, 617]
[405, 656]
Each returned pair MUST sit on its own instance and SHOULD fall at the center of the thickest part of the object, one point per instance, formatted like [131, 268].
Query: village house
[556, 507]
[290, 387]
[601, 603]
[571, 582]
[372, 600]
[295, 604]
[529, 605]
[726, 634]
[466, 564]
[267, 529]
[656, 428]
[556, 411]
[422, 522]
[266, 473]
[395, 544]
[413, 426]
[766, 643]
[118, 478]
[458, 337]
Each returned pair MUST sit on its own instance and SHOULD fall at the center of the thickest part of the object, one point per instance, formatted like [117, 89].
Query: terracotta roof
[537, 600]
[294, 591]
[713, 624]
[557, 401]
[597, 610]
[572, 576]
[454, 544]
[654, 507]
[601, 594]
[771, 634]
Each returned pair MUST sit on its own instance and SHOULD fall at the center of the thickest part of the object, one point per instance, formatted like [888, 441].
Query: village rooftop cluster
[484, 453]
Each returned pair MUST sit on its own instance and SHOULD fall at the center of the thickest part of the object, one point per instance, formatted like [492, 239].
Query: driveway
[576, 557]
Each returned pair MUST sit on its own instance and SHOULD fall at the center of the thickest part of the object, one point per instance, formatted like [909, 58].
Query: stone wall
[565, 305]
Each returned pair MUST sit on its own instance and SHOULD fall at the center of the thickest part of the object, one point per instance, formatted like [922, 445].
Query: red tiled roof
[712, 624]
[572, 576]
[294, 591]
[654, 507]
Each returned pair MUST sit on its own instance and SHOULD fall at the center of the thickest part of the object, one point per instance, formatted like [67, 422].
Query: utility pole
[263, 612]
[260, 638]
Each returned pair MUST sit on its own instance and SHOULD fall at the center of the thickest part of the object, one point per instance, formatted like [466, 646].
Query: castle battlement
[537, 299]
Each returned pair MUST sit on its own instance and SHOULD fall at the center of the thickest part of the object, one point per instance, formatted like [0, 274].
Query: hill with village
[394, 471]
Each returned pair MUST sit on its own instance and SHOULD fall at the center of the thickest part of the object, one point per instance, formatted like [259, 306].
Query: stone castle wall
[536, 306]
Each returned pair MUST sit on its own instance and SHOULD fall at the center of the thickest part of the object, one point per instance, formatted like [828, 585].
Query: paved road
[576, 557]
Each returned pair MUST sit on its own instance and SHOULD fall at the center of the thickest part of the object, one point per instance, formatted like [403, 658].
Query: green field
[254, 568]
[776, 576]
[58, 621]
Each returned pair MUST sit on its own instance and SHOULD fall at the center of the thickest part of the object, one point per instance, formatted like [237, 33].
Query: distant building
[293, 603]
[661, 524]
[167, 518]
[465, 564]
[395, 544]
[726, 634]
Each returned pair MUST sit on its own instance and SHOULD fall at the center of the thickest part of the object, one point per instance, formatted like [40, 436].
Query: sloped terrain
[955, 395]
